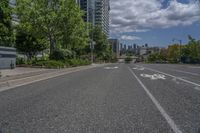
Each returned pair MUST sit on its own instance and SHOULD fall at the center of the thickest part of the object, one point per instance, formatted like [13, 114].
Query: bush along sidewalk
[53, 64]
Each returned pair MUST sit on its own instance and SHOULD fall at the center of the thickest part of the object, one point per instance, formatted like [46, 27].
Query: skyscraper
[102, 9]
[97, 13]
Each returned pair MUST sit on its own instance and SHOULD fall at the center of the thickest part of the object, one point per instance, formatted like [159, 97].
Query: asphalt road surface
[118, 98]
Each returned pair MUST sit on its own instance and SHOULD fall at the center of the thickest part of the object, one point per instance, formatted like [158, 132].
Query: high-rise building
[88, 6]
[96, 13]
[102, 9]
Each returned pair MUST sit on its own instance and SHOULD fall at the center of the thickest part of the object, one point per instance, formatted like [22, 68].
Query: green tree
[101, 48]
[173, 54]
[193, 49]
[6, 32]
[59, 21]
[29, 45]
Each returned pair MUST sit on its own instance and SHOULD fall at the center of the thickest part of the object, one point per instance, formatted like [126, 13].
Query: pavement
[20, 71]
[116, 98]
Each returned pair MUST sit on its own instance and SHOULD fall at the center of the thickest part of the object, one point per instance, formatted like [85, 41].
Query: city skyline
[154, 22]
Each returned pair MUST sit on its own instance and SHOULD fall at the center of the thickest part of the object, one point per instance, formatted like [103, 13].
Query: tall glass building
[97, 13]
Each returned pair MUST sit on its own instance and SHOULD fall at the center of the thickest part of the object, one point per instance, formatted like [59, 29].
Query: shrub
[114, 60]
[51, 64]
[20, 61]
[77, 62]
[61, 54]
[128, 59]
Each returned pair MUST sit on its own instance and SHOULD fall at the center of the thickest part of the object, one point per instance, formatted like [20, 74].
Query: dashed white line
[159, 107]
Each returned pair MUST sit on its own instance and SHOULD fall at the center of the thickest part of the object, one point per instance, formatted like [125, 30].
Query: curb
[36, 78]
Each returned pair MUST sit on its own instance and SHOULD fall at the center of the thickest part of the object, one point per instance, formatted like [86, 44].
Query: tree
[193, 49]
[173, 54]
[29, 45]
[101, 47]
[59, 21]
[6, 32]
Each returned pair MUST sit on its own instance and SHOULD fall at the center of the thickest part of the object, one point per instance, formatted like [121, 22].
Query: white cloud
[141, 15]
[129, 38]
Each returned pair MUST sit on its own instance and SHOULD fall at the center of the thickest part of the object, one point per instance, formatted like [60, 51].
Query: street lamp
[180, 44]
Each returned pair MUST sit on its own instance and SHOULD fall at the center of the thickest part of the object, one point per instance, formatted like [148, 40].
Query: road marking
[138, 68]
[154, 76]
[159, 107]
[108, 68]
[187, 81]
[194, 74]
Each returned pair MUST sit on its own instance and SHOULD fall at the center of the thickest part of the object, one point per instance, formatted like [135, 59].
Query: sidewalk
[20, 72]
[23, 76]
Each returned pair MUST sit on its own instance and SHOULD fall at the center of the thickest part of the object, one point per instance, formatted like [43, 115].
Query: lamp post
[180, 51]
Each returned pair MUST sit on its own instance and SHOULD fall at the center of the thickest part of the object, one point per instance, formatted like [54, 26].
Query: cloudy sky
[155, 22]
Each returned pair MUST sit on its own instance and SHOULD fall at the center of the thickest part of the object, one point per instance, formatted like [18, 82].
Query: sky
[156, 22]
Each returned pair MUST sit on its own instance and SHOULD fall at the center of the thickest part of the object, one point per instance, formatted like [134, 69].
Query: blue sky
[155, 22]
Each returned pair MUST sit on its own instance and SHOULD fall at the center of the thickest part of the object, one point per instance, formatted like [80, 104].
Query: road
[118, 98]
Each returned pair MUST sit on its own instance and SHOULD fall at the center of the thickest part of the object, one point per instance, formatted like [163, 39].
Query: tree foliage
[160, 56]
[101, 47]
[173, 54]
[6, 32]
[29, 45]
[59, 21]
[189, 53]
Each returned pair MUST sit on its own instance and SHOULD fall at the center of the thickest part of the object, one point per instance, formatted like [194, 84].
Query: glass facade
[97, 13]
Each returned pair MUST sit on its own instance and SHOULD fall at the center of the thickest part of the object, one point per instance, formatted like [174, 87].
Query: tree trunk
[52, 44]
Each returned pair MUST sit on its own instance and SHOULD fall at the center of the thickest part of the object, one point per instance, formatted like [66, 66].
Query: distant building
[121, 46]
[125, 47]
[152, 50]
[143, 51]
[114, 43]
[134, 46]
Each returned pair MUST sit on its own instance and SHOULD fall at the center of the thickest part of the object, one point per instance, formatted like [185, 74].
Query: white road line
[159, 107]
[187, 81]
[194, 74]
